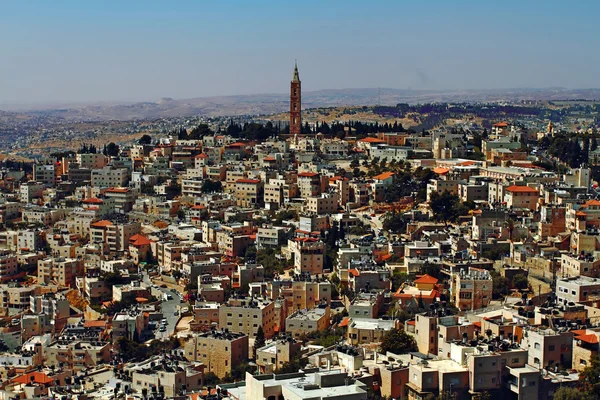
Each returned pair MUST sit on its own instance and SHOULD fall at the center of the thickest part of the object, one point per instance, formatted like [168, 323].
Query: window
[536, 346]
[551, 348]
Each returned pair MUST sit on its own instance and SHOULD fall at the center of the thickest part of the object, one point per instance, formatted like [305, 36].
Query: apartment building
[325, 203]
[249, 193]
[114, 234]
[219, 350]
[77, 354]
[9, 266]
[124, 198]
[171, 376]
[109, 177]
[45, 174]
[31, 190]
[305, 321]
[309, 254]
[273, 236]
[521, 197]
[247, 314]
[91, 160]
[472, 289]
[59, 271]
[309, 184]
[576, 289]
[272, 356]
[548, 348]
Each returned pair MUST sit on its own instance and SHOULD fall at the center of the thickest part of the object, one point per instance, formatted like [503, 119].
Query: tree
[398, 342]
[394, 222]
[111, 150]
[499, 285]
[146, 139]
[173, 190]
[209, 186]
[520, 282]
[259, 340]
[567, 393]
[447, 207]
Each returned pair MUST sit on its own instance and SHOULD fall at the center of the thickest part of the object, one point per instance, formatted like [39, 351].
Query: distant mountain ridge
[277, 103]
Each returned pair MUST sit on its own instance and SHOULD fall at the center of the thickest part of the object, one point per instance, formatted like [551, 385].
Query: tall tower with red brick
[295, 104]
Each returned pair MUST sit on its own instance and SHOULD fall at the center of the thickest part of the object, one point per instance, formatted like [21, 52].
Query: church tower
[295, 104]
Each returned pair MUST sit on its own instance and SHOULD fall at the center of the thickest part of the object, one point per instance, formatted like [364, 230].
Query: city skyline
[145, 51]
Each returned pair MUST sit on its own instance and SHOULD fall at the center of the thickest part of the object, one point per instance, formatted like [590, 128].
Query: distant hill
[277, 103]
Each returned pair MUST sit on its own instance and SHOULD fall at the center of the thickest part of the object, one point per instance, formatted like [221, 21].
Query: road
[169, 308]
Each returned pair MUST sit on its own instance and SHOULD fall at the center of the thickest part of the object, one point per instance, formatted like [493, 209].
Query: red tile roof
[253, 181]
[102, 224]
[371, 140]
[307, 174]
[38, 377]
[441, 171]
[354, 272]
[139, 240]
[269, 158]
[521, 189]
[591, 338]
[95, 324]
[501, 124]
[92, 200]
[344, 322]
[384, 176]
[427, 279]
[117, 190]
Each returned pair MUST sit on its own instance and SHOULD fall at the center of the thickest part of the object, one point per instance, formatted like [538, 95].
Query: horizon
[114, 52]
[58, 103]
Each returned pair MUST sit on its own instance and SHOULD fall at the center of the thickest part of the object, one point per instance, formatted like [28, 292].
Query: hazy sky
[143, 50]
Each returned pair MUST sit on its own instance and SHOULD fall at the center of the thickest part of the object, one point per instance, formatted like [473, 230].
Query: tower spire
[296, 77]
[295, 103]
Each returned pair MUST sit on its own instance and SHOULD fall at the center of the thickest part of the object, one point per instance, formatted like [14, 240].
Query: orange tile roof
[344, 322]
[139, 240]
[95, 324]
[92, 200]
[254, 181]
[592, 203]
[202, 155]
[237, 144]
[501, 124]
[371, 140]
[591, 338]
[441, 171]
[467, 163]
[117, 190]
[413, 322]
[307, 174]
[102, 224]
[354, 272]
[427, 279]
[198, 207]
[270, 158]
[38, 377]
[384, 176]
[521, 189]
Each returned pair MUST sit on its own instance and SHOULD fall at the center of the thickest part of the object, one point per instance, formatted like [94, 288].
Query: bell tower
[295, 104]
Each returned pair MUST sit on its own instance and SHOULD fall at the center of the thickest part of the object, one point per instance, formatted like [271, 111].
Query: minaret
[295, 104]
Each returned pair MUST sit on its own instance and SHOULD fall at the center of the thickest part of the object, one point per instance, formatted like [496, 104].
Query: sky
[89, 51]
